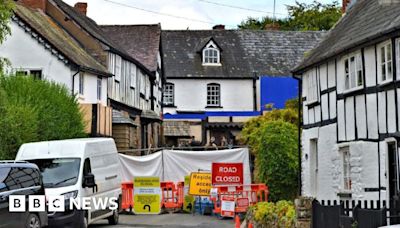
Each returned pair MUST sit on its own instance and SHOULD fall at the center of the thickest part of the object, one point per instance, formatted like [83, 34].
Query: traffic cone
[237, 221]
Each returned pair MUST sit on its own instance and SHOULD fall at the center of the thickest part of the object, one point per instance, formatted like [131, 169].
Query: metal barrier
[172, 195]
[127, 195]
[244, 196]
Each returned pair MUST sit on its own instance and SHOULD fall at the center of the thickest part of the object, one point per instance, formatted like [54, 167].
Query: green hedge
[35, 110]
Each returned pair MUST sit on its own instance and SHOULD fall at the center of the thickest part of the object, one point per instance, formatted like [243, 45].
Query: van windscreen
[58, 172]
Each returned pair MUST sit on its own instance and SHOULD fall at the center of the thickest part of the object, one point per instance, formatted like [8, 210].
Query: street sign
[227, 173]
[200, 184]
[146, 195]
[228, 207]
[188, 201]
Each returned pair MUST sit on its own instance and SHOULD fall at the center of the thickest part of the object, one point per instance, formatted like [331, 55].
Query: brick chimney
[345, 4]
[218, 27]
[81, 7]
[34, 4]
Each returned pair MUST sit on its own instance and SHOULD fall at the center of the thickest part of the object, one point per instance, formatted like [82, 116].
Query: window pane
[382, 54]
[389, 52]
[383, 68]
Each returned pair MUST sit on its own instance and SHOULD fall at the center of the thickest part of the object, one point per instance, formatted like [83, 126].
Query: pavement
[168, 221]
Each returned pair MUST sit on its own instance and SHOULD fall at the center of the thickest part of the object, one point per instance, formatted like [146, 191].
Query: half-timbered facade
[350, 107]
[131, 85]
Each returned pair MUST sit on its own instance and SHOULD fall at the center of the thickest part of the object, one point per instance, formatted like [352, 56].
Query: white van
[78, 168]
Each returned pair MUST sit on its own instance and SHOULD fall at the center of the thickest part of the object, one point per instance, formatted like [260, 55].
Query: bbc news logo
[37, 203]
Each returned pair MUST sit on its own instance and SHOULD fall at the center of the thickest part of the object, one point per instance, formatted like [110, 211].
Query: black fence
[352, 213]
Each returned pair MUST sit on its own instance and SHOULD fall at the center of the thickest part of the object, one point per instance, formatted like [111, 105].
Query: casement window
[99, 85]
[312, 87]
[346, 167]
[81, 84]
[169, 94]
[211, 54]
[385, 62]
[36, 74]
[353, 72]
[213, 95]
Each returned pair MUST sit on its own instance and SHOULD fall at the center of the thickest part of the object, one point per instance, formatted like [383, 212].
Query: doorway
[393, 179]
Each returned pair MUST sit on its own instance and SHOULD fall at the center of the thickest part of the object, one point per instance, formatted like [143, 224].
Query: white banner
[174, 165]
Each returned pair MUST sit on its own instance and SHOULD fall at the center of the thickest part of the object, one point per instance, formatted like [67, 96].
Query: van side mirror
[88, 181]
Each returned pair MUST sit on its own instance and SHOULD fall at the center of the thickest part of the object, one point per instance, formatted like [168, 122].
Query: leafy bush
[275, 215]
[34, 110]
[273, 140]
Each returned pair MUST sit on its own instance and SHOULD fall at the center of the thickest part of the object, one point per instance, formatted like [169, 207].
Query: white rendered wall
[363, 159]
[191, 95]
[25, 52]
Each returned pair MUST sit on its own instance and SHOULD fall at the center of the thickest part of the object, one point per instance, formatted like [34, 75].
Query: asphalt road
[168, 220]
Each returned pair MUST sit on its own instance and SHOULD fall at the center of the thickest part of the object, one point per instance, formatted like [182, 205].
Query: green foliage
[273, 140]
[276, 160]
[6, 11]
[253, 128]
[315, 16]
[35, 110]
[274, 215]
[302, 17]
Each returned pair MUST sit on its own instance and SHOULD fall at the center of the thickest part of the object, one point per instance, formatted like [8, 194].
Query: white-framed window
[385, 62]
[213, 95]
[312, 86]
[99, 87]
[211, 54]
[353, 72]
[169, 94]
[35, 73]
[346, 167]
[81, 84]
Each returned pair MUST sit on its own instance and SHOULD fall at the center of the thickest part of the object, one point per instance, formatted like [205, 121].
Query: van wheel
[113, 219]
[84, 221]
[32, 221]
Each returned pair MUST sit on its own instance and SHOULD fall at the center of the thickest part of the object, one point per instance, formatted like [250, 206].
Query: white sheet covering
[174, 165]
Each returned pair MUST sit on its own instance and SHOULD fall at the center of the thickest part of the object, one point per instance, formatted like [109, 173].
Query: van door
[5, 216]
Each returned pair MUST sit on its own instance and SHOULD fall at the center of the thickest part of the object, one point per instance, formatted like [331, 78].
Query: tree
[276, 160]
[35, 110]
[302, 17]
[273, 140]
[6, 11]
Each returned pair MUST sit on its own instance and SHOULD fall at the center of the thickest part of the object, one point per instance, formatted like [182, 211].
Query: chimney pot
[34, 4]
[345, 4]
[219, 27]
[81, 7]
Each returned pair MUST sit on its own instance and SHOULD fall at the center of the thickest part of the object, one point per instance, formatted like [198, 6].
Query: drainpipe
[299, 132]
[73, 81]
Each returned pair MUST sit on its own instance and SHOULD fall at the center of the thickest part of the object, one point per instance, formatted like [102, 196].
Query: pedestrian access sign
[146, 195]
[227, 173]
[200, 184]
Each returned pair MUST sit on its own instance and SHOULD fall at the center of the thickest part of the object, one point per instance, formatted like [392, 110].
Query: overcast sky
[110, 12]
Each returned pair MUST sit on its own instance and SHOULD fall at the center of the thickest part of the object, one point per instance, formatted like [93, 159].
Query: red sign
[227, 173]
[242, 202]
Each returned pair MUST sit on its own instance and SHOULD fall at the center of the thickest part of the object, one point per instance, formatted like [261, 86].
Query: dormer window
[211, 54]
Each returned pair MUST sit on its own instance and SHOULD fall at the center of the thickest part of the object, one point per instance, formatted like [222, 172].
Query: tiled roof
[94, 30]
[119, 118]
[142, 42]
[364, 22]
[59, 39]
[271, 53]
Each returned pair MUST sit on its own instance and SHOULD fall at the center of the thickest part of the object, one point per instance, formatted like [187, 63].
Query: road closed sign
[227, 173]
[200, 184]
[146, 195]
